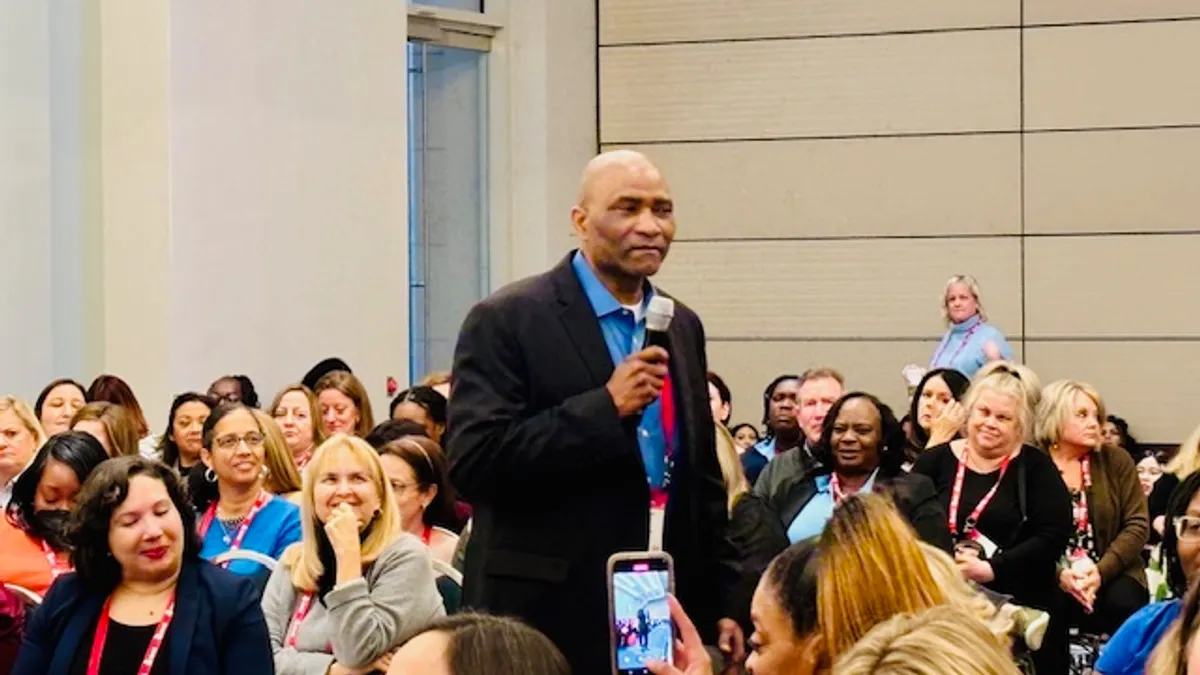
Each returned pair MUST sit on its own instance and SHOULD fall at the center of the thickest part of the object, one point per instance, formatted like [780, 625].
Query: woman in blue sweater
[971, 342]
[244, 516]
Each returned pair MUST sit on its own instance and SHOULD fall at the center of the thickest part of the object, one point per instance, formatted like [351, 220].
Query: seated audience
[416, 471]
[244, 516]
[20, 437]
[283, 478]
[1101, 573]
[345, 406]
[323, 368]
[816, 392]
[1007, 507]
[720, 399]
[1185, 462]
[33, 536]
[1130, 647]
[298, 414]
[478, 644]
[356, 586]
[862, 449]
[782, 428]
[110, 424]
[57, 403]
[140, 593]
[1116, 434]
[112, 389]
[936, 413]
[234, 389]
[424, 406]
[745, 435]
[181, 443]
[936, 641]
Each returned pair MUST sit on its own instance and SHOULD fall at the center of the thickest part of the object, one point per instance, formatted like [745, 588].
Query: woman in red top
[32, 535]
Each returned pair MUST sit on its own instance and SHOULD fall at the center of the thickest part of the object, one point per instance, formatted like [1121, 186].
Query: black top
[758, 537]
[1157, 500]
[1031, 536]
[123, 650]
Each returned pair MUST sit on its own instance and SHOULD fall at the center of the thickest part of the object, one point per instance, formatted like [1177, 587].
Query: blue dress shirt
[624, 332]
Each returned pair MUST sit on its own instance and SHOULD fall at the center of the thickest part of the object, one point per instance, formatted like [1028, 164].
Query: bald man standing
[573, 442]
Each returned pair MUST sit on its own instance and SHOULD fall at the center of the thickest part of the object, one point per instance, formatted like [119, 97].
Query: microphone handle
[656, 338]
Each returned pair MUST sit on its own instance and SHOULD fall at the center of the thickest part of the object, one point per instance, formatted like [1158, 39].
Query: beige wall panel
[1112, 181]
[869, 366]
[1065, 11]
[849, 187]
[1151, 384]
[1112, 286]
[1112, 75]
[626, 21]
[943, 82]
[868, 288]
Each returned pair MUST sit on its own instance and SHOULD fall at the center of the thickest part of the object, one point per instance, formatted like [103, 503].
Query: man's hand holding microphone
[638, 380]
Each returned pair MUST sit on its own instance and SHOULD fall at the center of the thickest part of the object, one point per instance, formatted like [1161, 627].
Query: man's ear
[579, 220]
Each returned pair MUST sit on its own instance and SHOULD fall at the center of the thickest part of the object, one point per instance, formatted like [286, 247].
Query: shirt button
[645, 433]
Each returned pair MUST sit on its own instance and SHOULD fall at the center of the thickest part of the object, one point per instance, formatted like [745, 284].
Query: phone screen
[641, 616]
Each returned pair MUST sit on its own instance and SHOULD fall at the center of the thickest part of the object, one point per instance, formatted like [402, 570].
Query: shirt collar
[823, 482]
[602, 300]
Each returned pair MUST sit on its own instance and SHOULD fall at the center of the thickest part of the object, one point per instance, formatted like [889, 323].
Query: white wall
[189, 189]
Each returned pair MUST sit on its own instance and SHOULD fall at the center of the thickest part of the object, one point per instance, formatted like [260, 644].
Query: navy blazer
[218, 626]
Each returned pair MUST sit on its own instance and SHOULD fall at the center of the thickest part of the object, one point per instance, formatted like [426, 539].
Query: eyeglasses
[1187, 528]
[231, 441]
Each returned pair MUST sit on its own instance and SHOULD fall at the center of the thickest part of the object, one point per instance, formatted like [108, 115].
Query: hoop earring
[210, 475]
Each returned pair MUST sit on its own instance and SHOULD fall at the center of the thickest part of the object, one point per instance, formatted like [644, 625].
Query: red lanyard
[426, 535]
[211, 513]
[1082, 519]
[302, 610]
[965, 340]
[835, 486]
[57, 567]
[956, 496]
[160, 632]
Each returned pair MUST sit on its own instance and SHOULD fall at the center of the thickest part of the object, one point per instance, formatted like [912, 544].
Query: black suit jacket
[218, 627]
[556, 477]
[915, 497]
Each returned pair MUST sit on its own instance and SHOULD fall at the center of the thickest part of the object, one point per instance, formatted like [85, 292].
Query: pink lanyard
[961, 345]
[1082, 518]
[57, 567]
[160, 633]
[302, 610]
[956, 496]
[211, 513]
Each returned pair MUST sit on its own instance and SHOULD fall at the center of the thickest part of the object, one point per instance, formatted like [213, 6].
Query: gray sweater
[359, 621]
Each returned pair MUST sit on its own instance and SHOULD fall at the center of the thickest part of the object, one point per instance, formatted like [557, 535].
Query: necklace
[229, 526]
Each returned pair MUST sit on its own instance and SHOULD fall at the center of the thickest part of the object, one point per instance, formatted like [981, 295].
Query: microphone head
[659, 313]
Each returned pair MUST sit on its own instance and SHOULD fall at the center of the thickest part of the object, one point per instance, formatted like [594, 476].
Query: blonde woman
[1007, 507]
[283, 478]
[970, 341]
[345, 406]
[1101, 573]
[937, 641]
[356, 586]
[110, 424]
[298, 414]
[20, 437]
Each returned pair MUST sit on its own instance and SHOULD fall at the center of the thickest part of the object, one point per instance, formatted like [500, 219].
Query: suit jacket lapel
[579, 320]
[680, 374]
[183, 625]
[83, 617]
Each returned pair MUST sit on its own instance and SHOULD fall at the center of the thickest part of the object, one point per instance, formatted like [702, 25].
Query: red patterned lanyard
[58, 567]
[1082, 518]
[211, 513]
[160, 633]
[956, 496]
[302, 610]
[835, 486]
[961, 345]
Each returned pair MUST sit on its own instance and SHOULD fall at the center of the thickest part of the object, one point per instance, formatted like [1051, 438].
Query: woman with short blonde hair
[1101, 574]
[298, 415]
[970, 341]
[356, 586]
[936, 641]
[21, 436]
[110, 424]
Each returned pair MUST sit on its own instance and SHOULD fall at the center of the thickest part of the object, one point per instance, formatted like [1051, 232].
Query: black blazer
[218, 626]
[556, 477]
[915, 497]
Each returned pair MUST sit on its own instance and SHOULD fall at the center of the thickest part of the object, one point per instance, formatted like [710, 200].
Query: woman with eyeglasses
[245, 516]
[416, 470]
[1130, 647]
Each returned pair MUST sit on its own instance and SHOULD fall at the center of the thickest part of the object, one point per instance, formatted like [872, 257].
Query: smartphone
[639, 618]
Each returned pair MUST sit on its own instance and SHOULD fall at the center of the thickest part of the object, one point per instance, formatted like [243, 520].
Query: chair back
[246, 554]
[449, 585]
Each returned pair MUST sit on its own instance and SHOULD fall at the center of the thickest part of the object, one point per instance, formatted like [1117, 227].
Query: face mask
[52, 523]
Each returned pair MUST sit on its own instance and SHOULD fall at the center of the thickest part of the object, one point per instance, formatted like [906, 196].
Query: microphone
[659, 313]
